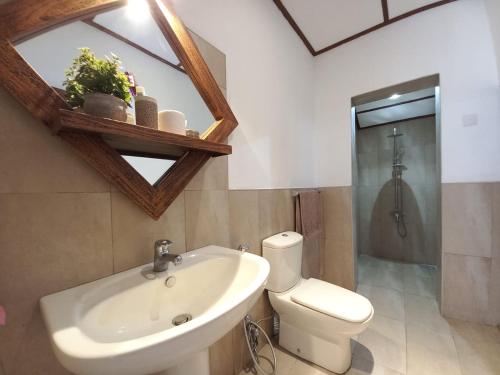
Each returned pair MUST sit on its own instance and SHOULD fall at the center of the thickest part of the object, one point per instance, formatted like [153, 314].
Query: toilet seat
[332, 300]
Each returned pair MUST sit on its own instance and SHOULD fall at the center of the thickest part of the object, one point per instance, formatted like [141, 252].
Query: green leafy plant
[88, 74]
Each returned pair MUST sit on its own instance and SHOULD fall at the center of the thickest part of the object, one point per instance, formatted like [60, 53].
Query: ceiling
[326, 24]
[397, 108]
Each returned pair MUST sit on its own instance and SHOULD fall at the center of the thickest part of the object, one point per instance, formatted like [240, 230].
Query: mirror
[130, 33]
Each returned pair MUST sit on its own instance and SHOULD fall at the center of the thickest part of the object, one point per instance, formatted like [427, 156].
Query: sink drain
[181, 319]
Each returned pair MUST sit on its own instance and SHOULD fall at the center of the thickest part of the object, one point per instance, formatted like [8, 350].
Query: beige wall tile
[134, 232]
[244, 219]
[35, 355]
[33, 160]
[221, 355]
[207, 218]
[339, 251]
[337, 211]
[215, 59]
[276, 212]
[49, 242]
[212, 176]
[465, 287]
[466, 210]
[339, 263]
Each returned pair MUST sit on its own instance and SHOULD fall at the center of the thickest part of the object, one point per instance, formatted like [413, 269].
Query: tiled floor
[408, 335]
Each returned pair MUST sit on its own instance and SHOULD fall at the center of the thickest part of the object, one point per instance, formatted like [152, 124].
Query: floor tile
[423, 360]
[383, 343]
[362, 366]
[441, 343]
[419, 285]
[478, 347]
[305, 368]
[284, 360]
[424, 311]
[386, 302]
[382, 278]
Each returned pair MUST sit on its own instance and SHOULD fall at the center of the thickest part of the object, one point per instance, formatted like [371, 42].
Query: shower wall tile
[467, 218]
[368, 174]
[415, 161]
[384, 166]
[369, 142]
[367, 195]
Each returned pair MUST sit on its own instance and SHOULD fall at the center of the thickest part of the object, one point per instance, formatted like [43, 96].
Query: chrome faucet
[163, 256]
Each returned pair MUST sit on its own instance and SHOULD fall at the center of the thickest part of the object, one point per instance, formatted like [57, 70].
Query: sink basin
[123, 324]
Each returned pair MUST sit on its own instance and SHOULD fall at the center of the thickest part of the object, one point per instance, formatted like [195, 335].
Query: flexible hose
[247, 323]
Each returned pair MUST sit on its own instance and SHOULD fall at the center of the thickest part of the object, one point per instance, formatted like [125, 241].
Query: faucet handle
[244, 247]
[163, 245]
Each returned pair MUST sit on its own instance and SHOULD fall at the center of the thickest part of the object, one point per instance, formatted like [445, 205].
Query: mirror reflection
[162, 94]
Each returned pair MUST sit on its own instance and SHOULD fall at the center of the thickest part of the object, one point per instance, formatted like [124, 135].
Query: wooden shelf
[138, 140]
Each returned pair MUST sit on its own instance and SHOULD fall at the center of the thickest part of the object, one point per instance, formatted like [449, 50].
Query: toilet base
[333, 356]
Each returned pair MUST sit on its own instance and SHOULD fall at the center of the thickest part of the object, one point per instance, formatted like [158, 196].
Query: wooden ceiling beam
[294, 26]
[386, 21]
[385, 10]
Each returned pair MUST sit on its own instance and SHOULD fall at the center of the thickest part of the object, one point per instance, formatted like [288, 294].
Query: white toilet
[317, 319]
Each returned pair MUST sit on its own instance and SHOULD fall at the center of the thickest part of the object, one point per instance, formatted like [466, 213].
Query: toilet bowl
[317, 319]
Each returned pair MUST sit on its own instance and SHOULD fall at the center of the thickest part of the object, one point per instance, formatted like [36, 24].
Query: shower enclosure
[396, 184]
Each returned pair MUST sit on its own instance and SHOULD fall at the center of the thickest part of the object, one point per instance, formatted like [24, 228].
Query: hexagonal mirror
[162, 96]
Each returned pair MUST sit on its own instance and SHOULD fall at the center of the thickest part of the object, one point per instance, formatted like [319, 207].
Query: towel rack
[296, 192]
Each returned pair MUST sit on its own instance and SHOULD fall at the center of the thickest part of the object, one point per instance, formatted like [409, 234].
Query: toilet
[317, 319]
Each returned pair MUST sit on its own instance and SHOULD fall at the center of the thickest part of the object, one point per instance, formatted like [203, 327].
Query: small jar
[146, 109]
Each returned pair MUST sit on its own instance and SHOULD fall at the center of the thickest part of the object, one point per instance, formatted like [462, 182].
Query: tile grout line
[112, 231]
[406, 334]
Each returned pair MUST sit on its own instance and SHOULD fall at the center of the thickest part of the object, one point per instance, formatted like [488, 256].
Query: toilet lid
[333, 300]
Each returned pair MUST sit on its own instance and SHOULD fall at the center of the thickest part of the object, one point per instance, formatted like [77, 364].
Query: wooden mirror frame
[22, 19]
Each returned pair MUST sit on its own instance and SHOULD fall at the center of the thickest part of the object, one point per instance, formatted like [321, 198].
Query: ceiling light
[138, 10]
[395, 96]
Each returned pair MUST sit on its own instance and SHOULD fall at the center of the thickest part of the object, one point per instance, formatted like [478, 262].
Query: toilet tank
[283, 251]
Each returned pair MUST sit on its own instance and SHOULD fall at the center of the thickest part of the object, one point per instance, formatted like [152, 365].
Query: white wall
[493, 9]
[453, 40]
[269, 84]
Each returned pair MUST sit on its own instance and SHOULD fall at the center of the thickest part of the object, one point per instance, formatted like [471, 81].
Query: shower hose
[252, 331]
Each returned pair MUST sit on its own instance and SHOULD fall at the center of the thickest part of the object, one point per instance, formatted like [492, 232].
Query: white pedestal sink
[123, 324]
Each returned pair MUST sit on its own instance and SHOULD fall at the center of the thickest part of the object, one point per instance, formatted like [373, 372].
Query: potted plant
[98, 86]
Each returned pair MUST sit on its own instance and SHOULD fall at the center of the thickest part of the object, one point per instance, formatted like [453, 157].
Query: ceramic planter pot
[104, 105]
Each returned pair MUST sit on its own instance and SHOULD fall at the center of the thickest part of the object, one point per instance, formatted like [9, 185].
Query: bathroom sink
[124, 323]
